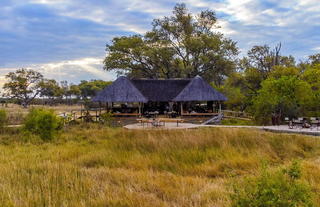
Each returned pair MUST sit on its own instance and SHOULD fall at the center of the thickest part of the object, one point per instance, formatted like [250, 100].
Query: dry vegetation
[16, 113]
[90, 165]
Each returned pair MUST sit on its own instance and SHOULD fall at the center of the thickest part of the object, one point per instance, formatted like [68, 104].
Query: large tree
[90, 88]
[178, 46]
[284, 96]
[50, 88]
[23, 85]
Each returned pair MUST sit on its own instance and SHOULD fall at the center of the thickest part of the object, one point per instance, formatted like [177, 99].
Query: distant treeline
[26, 86]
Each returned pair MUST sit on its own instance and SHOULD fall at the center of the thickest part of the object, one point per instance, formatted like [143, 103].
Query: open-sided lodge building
[140, 96]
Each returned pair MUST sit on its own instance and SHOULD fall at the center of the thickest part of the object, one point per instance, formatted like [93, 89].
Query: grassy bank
[94, 166]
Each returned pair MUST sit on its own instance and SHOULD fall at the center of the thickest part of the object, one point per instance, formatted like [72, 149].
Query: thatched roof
[199, 90]
[144, 90]
[122, 90]
[160, 90]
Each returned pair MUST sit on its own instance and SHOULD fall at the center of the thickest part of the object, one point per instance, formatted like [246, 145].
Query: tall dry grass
[90, 165]
[17, 113]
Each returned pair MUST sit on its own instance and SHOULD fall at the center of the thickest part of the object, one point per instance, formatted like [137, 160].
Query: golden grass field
[92, 165]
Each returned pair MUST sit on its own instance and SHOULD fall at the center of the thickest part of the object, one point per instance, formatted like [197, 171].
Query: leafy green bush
[106, 118]
[42, 122]
[285, 96]
[282, 188]
[3, 118]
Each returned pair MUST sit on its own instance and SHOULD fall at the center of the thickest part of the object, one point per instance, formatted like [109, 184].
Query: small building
[183, 96]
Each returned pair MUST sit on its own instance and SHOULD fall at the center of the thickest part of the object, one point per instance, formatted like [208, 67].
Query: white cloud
[71, 70]
[249, 22]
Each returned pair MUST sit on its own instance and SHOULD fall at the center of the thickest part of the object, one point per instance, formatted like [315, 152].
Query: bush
[42, 122]
[3, 119]
[106, 118]
[282, 188]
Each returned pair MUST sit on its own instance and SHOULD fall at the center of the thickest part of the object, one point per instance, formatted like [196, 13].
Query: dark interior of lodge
[170, 109]
[150, 98]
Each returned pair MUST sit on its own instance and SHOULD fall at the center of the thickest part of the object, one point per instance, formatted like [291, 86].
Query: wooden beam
[139, 108]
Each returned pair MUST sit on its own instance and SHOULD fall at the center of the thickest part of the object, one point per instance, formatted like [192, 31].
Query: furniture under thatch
[142, 91]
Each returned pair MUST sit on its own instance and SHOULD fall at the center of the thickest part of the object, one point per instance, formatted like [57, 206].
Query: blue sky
[65, 39]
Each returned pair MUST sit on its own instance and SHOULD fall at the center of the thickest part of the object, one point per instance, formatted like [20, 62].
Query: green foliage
[279, 71]
[42, 122]
[106, 118]
[178, 46]
[281, 96]
[75, 90]
[23, 85]
[3, 118]
[50, 88]
[237, 122]
[90, 88]
[281, 188]
[233, 90]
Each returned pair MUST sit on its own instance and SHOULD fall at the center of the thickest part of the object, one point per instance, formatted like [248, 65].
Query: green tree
[233, 89]
[285, 96]
[314, 59]
[23, 85]
[90, 88]
[181, 45]
[260, 63]
[264, 59]
[50, 88]
[74, 90]
[65, 88]
[311, 74]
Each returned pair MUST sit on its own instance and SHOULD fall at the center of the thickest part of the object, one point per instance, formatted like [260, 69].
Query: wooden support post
[181, 108]
[139, 109]
[219, 107]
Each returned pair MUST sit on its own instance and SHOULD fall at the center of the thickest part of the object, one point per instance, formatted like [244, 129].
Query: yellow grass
[16, 113]
[90, 165]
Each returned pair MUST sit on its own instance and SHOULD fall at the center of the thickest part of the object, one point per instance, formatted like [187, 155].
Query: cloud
[68, 35]
[71, 70]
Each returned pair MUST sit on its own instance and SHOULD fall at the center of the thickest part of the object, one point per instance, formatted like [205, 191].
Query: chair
[314, 122]
[298, 122]
[289, 122]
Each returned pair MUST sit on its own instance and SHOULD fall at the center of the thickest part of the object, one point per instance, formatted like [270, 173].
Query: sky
[65, 39]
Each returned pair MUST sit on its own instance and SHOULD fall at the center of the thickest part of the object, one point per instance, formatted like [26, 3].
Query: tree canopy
[178, 46]
[23, 85]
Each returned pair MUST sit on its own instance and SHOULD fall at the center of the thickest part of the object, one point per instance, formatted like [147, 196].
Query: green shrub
[3, 119]
[281, 188]
[42, 122]
[106, 118]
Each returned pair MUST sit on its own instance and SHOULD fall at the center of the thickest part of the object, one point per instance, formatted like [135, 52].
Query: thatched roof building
[121, 90]
[145, 90]
[199, 90]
